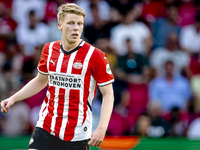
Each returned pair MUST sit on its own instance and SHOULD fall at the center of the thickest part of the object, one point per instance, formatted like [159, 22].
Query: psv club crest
[77, 65]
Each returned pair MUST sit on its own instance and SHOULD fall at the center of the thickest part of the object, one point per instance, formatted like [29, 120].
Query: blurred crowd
[153, 47]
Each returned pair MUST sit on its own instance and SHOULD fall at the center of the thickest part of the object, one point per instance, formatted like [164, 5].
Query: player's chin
[74, 39]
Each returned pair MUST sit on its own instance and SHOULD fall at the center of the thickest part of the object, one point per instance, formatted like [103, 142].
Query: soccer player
[72, 68]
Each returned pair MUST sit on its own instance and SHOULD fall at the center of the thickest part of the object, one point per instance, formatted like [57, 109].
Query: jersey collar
[75, 49]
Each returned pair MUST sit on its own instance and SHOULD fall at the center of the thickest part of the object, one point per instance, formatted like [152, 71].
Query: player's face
[71, 27]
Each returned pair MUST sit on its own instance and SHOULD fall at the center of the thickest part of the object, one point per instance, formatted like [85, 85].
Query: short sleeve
[101, 69]
[42, 64]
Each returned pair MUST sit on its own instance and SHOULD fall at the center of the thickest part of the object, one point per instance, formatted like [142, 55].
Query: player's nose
[76, 27]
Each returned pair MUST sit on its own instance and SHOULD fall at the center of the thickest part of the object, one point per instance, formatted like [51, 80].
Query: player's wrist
[13, 99]
[102, 128]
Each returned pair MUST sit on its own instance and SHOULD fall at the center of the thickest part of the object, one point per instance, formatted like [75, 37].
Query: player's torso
[71, 89]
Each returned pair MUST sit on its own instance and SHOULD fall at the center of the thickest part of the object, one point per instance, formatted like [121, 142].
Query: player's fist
[5, 105]
[97, 137]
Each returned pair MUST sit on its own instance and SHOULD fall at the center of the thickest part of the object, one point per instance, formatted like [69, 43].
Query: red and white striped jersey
[73, 78]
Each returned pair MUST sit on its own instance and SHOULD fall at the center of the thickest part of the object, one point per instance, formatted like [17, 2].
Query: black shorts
[42, 140]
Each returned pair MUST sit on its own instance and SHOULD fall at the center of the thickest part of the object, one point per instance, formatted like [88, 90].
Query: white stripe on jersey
[39, 124]
[58, 69]
[65, 112]
[82, 43]
[87, 59]
[91, 89]
[40, 121]
[65, 115]
[81, 112]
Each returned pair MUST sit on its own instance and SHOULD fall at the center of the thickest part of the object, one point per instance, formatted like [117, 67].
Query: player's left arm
[106, 110]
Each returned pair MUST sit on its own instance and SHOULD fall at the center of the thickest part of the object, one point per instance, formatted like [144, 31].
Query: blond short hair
[69, 8]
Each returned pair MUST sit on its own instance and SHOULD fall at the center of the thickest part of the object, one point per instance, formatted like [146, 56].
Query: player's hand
[97, 137]
[6, 104]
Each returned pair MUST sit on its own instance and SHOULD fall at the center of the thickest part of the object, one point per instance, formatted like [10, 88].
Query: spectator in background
[21, 9]
[149, 13]
[170, 90]
[120, 122]
[171, 51]
[27, 35]
[187, 12]
[195, 85]
[130, 64]
[51, 10]
[7, 28]
[138, 33]
[101, 29]
[101, 5]
[122, 5]
[94, 31]
[190, 36]
[159, 126]
[10, 76]
[162, 27]
[194, 130]
[29, 68]
[142, 125]
[115, 19]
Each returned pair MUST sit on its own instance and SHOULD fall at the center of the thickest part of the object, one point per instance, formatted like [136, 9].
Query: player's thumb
[90, 140]
[9, 104]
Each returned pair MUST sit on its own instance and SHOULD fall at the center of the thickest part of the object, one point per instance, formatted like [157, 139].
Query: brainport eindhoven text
[65, 81]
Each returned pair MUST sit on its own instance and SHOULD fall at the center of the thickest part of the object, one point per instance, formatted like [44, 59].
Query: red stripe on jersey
[85, 96]
[46, 101]
[79, 59]
[60, 110]
[54, 56]
[48, 118]
[74, 98]
[65, 63]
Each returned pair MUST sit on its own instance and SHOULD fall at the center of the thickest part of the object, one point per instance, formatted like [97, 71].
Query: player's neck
[70, 46]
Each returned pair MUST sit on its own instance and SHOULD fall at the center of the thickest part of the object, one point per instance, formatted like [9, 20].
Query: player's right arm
[30, 89]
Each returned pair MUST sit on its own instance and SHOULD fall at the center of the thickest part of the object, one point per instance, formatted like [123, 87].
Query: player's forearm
[30, 89]
[106, 110]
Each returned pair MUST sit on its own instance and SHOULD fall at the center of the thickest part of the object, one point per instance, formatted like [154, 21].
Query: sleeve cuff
[44, 73]
[105, 83]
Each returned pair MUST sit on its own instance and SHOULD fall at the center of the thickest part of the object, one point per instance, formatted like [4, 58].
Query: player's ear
[60, 26]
